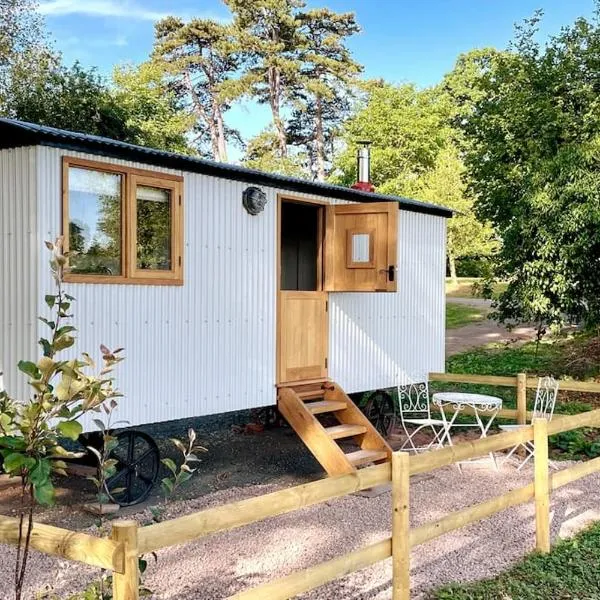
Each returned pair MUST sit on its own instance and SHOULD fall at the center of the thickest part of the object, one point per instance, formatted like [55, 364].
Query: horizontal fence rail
[244, 512]
[81, 547]
[566, 385]
[121, 551]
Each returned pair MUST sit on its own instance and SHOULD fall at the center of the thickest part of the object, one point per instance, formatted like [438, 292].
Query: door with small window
[325, 248]
[361, 247]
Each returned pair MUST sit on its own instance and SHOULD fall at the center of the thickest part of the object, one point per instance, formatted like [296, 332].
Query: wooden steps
[344, 431]
[324, 406]
[301, 402]
[362, 457]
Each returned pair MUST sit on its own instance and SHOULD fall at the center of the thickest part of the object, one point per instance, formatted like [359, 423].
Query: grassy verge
[466, 289]
[459, 315]
[570, 571]
[576, 357]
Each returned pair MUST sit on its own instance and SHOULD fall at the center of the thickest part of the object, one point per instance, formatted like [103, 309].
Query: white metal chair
[545, 401]
[414, 409]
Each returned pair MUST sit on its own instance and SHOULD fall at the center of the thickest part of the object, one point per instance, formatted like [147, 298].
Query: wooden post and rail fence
[120, 552]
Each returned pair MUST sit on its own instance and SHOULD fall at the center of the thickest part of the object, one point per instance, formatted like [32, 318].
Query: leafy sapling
[63, 390]
[184, 473]
[107, 466]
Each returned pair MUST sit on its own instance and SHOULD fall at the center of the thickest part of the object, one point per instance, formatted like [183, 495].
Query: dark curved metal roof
[15, 133]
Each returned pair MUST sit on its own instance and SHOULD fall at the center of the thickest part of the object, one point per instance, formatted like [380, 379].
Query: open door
[361, 247]
[302, 308]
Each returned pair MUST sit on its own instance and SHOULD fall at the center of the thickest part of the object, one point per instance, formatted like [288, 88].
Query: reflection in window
[94, 222]
[361, 248]
[153, 228]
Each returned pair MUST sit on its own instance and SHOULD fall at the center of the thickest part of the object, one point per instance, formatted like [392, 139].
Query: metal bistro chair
[414, 409]
[545, 400]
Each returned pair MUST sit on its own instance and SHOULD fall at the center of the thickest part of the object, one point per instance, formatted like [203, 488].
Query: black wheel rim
[380, 411]
[137, 467]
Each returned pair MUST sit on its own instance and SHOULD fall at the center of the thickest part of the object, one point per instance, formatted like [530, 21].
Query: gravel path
[221, 565]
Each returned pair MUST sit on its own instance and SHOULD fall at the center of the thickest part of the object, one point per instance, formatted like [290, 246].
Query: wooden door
[361, 247]
[303, 335]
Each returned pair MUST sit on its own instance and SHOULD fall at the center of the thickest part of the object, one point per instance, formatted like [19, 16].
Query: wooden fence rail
[128, 542]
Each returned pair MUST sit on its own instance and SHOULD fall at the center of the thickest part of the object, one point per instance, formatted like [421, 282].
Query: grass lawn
[577, 357]
[458, 315]
[465, 288]
[570, 571]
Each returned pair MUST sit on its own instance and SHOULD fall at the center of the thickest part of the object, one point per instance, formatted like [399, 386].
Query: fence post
[522, 398]
[541, 485]
[126, 584]
[400, 526]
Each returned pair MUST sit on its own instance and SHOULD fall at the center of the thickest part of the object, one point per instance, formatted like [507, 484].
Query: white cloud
[99, 8]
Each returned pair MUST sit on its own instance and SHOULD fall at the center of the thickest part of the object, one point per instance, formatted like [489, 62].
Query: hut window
[122, 225]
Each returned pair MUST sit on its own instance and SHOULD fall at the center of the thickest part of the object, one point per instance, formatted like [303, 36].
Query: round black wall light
[254, 200]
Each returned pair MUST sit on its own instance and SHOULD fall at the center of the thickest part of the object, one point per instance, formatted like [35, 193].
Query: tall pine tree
[326, 76]
[268, 32]
[200, 57]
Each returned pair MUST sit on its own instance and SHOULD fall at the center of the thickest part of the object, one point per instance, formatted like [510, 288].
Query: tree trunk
[452, 263]
[220, 127]
[319, 140]
[275, 101]
[200, 112]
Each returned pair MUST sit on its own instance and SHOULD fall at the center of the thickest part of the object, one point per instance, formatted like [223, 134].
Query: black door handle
[391, 272]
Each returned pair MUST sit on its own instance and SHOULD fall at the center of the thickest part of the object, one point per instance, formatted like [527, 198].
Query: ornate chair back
[413, 398]
[545, 398]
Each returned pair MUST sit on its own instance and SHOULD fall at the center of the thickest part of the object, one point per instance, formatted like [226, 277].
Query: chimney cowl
[363, 167]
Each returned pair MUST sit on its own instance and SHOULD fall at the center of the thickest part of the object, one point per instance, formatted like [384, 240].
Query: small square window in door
[360, 246]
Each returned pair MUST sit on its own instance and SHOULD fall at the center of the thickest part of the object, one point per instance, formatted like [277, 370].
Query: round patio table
[485, 409]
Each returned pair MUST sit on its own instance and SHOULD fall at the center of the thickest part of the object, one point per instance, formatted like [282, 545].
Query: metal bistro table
[484, 407]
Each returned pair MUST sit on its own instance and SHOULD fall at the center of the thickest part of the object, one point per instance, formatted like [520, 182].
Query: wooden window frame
[351, 264]
[130, 178]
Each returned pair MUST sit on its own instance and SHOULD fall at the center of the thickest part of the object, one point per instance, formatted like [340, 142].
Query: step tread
[344, 431]
[325, 406]
[302, 382]
[311, 394]
[365, 456]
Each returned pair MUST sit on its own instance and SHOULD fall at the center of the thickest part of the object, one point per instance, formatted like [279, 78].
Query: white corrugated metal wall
[209, 346]
[205, 347]
[18, 265]
[374, 337]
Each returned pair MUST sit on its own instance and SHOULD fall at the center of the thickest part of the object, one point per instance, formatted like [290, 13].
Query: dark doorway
[300, 244]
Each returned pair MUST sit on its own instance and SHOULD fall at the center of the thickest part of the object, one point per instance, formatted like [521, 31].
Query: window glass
[153, 210]
[361, 248]
[95, 221]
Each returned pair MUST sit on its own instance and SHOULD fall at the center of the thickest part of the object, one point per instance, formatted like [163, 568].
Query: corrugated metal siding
[375, 337]
[206, 347]
[209, 346]
[18, 265]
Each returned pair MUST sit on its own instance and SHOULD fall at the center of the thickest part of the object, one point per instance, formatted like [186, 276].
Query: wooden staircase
[304, 403]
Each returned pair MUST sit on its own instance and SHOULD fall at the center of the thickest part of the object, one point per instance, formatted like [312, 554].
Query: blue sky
[402, 40]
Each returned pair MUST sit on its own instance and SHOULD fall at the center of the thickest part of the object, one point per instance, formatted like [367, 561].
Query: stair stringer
[371, 439]
[313, 434]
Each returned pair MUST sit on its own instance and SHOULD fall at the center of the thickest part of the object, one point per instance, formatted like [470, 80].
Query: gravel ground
[221, 565]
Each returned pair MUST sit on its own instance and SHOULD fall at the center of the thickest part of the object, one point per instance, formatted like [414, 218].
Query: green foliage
[180, 475]
[321, 97]
[107, 467]
[532, 156]
[262, 153]
[43, 90]
[458, 315]
[569, 571]
[152, 110]
[63, 391]
[200, 58]
[415, 154]
[527, 358]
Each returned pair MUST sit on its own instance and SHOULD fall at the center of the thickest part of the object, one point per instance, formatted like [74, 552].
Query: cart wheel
[379, 409]
[137, 466]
